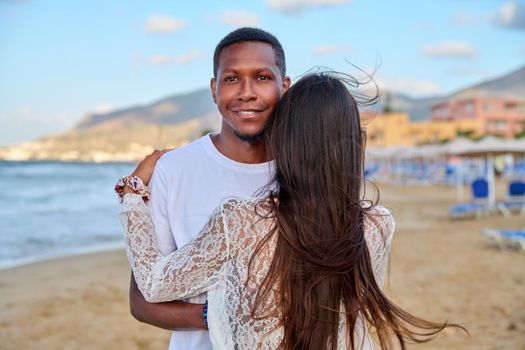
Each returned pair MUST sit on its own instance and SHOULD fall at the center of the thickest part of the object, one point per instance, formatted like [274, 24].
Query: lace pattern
[217, 262]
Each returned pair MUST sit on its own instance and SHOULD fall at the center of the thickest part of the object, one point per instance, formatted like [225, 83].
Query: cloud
[189, 57]
[180, 59]
[298, 6]
[157, 24]
[102, 108]
[331, 49]
[511, 15]
[24, 112]
[452, 49]
[465, 18]
[161, 59]
[410, 87]
[240, 18]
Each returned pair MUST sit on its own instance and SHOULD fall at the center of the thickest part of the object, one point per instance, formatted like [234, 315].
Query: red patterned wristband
[133, 182]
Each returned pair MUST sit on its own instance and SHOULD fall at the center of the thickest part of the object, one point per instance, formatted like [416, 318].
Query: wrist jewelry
[133, 182]
[205, 313]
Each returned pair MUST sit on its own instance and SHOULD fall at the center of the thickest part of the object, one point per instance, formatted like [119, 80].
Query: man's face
[247, 88]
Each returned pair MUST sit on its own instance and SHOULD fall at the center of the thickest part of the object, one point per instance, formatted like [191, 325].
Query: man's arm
[172, 315]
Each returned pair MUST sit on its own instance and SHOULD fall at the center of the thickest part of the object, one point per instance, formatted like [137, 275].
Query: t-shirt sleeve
[158, 205]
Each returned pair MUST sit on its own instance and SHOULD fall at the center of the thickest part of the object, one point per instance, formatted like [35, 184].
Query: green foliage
[464, 133]
[520, 135]
[477, 138]
[387, 106]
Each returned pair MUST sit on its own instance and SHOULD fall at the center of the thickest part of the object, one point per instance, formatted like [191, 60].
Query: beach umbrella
[452, 148]
[488, 148]
[458, 145]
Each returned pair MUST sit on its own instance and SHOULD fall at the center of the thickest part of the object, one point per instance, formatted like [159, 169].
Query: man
[190, 182]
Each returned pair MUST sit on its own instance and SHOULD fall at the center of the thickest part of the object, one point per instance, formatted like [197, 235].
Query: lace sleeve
[188, 271]
[379, 232]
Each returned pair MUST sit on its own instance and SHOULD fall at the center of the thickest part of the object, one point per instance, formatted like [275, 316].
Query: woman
[303, 268]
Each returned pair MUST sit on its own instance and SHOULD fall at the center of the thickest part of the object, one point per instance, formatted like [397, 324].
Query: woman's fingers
[145, 168]
[156, 154]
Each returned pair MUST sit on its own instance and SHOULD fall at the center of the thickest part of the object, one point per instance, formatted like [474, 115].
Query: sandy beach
[440, 270]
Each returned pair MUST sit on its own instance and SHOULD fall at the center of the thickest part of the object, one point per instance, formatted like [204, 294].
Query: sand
[440, 270]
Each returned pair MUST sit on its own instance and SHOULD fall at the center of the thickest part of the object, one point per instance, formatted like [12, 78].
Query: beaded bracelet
[205, 312]
[133, 182]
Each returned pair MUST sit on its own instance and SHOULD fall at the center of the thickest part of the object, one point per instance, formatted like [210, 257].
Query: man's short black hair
[250, 34]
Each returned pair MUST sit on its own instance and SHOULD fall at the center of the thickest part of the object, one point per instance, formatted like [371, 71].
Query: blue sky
[62, 59]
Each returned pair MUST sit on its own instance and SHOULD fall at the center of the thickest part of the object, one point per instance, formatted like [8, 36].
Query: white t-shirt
[187, 185]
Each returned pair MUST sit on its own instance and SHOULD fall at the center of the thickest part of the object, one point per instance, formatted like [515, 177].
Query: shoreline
[61, 254]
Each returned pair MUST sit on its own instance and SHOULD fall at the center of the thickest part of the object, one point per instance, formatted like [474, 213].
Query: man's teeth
[247, 113]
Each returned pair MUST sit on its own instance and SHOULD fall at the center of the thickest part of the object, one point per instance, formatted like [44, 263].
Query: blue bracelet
[205, 312]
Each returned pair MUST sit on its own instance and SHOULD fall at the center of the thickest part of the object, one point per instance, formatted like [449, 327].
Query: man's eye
[264, 77]
[230, 79]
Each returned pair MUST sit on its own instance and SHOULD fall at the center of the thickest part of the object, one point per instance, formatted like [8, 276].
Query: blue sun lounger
[515, 199]
[507, 238]
[463, 210]
[478, 206]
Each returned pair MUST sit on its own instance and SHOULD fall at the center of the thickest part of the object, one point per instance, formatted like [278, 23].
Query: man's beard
[252, 139]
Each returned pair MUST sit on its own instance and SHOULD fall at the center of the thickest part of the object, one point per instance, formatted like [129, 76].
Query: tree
[387, 106]
[520, 135]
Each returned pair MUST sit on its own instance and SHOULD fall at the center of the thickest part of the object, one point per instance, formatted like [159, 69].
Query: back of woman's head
[316, 138]
[321, 266]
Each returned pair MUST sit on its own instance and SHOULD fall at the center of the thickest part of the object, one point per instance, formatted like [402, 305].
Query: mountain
[130, 133]
[168, 111]
[126, 134]
[511, 85]
[417, 108]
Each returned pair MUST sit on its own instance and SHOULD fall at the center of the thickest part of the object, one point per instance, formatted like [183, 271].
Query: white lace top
[217, 262]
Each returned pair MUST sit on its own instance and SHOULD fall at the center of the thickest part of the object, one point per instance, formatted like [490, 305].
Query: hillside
[132, 132]
[168, 111]
[104, 144]
[509, 85]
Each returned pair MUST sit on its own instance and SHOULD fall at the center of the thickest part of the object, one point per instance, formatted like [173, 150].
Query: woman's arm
[189, 271]
[379, 232]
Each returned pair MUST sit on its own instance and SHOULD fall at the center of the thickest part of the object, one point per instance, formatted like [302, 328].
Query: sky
[60, 60]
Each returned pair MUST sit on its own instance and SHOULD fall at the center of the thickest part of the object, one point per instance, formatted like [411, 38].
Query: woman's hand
[145, 168]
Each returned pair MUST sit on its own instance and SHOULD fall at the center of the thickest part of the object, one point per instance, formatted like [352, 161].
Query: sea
[55, 209]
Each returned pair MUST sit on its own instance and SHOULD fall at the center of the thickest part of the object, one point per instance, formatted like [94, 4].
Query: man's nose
[247, 92]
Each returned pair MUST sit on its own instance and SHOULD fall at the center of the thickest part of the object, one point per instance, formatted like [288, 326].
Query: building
[396, 129]
[501, 116]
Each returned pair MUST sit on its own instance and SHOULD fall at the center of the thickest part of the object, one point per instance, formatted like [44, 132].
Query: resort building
[396, 129]
[501, 116]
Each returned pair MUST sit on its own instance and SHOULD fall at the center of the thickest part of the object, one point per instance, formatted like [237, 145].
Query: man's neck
[238, 150]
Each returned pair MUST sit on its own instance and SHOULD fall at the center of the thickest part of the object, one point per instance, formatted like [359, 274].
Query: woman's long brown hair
[321, 265]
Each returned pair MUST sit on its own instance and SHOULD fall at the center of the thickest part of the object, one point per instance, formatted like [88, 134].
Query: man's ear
[286, 83]
[213, 84]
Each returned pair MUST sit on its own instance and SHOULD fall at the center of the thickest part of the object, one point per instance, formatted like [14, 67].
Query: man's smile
[247, 113]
